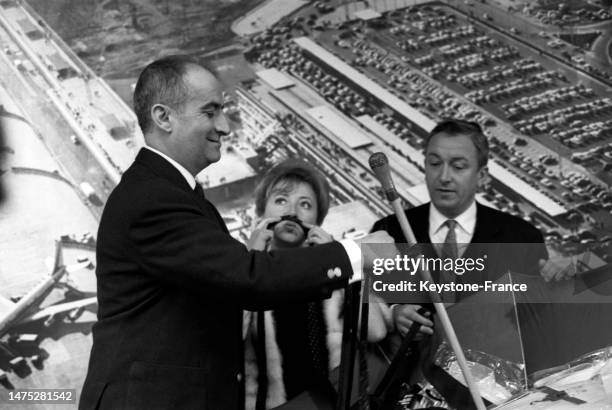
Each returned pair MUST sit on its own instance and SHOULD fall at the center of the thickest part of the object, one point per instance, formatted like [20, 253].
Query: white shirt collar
[466, 221]
[186, 174]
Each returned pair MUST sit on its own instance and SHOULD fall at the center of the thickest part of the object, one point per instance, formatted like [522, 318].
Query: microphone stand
[442, 313]
[349, 341]
[394, 199]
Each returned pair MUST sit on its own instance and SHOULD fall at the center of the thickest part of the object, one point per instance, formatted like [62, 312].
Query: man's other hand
[558, 268]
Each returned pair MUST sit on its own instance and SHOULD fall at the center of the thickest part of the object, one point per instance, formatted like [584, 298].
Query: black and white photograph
[305, 205]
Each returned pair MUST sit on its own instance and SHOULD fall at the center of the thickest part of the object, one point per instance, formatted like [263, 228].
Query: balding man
[172, 282]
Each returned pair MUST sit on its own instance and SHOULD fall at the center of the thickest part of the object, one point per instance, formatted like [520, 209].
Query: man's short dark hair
[473, 130]
[162, 82]
[290, 172]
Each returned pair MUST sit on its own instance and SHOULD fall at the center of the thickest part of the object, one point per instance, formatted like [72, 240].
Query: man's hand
[558, 268]
[261, 235]
[404, 316]
[317, 235]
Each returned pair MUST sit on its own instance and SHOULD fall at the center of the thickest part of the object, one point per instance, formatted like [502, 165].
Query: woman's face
[291, 199]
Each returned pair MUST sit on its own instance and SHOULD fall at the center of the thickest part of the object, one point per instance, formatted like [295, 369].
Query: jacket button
[239, 377]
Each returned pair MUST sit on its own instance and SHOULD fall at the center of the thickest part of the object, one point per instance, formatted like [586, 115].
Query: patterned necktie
[316, 338]
[449, 250]
[262, 362]
[449, 247]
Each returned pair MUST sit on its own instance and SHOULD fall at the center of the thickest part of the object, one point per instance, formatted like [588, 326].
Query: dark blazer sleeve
[534, 248]
[179, 243]
[522, 243]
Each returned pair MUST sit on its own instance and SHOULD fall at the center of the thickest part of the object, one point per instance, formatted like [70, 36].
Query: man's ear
[483, 175]
[160, 114]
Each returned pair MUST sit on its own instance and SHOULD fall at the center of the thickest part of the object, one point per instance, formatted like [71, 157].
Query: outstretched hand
[558, 268]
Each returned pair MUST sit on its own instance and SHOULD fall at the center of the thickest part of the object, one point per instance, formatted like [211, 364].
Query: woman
[302, 340]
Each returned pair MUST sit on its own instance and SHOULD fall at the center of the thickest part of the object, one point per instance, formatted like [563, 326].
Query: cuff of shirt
[353, 251]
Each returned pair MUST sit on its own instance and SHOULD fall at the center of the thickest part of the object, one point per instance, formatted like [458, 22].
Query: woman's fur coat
[332, 312]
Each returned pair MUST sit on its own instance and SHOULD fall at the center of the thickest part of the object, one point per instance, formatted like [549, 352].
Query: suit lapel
[161, 167]
[420, 223]
[216, 213]
[208, 207]
[486, 230]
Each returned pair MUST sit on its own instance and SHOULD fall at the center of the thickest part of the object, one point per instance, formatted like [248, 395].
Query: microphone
[379, 164]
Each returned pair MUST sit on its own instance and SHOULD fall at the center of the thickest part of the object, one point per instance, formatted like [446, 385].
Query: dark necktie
[262, 362]
[199, 191]
[364, 377]
[315, 330]
[449, 250]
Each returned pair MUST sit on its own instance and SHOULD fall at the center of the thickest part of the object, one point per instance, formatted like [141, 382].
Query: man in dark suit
[172, 282]
[455, 164]
[454, 225]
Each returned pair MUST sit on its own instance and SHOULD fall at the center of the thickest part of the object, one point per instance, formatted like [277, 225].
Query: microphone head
[377, 160]
[379, 163]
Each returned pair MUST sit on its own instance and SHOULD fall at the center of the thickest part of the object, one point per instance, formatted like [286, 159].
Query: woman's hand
[316, 235]
[261, 235]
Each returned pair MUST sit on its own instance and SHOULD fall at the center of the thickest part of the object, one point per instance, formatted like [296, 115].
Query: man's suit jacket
[492, 227]
[172, 284]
